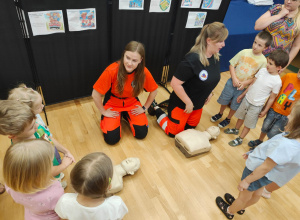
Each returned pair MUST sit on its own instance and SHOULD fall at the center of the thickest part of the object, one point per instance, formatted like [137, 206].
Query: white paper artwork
[81, 19]
[46, 22]
[190, 3]
[160, 5]
[211, 4]
[195, 19]
[131, 4]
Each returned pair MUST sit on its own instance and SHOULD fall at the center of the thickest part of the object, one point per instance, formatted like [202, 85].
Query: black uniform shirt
[199, 81]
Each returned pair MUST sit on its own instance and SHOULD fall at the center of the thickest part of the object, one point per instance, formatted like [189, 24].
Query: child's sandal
[223, 206]
[230, 199]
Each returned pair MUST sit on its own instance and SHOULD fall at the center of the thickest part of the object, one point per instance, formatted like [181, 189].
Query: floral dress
[283, 32]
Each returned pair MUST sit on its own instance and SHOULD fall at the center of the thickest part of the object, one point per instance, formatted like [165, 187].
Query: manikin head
[214, 131]
[131, 165]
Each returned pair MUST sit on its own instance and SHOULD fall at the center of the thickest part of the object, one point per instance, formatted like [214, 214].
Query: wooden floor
[168, 185]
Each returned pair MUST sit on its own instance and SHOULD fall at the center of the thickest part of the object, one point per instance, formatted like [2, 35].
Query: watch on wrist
[144, 108]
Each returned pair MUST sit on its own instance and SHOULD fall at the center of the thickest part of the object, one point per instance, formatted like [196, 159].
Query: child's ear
[279, 68]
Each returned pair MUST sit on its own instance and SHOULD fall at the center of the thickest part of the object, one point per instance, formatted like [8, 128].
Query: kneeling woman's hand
[138, 110]
[189, 108]
[110, 114]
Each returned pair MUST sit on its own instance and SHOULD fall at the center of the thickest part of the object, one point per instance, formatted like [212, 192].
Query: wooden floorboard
[168, 185]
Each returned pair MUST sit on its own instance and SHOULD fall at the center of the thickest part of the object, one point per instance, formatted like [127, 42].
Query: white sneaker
[266, 194]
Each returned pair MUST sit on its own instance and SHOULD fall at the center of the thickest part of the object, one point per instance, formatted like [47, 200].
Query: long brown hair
[139, 75]
[216, 31]
[293, 125]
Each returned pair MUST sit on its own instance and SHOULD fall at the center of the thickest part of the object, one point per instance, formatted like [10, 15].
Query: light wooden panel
[168, 185]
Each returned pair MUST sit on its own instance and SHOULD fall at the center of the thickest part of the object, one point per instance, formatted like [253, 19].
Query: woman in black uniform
[194, 80]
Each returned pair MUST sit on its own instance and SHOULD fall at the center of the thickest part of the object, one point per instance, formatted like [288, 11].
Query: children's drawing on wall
[190, 3]
[53, 20]
[136, 4]
[131, 4]
[195, 19]
[160, 5]
[211, 4]
[81, 19]
[46, 22]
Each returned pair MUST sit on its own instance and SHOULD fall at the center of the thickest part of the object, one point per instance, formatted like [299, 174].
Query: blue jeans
[274, 123]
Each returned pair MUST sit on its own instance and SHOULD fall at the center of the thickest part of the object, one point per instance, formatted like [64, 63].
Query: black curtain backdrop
[184, 38]
[15, 66]
[68, 64]
[152, 29]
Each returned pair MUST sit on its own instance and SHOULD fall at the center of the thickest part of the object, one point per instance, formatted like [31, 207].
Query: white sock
[266, 191]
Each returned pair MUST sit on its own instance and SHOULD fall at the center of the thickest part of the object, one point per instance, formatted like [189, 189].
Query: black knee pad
[140, 131]
[159, 112]
[187, 126]
[112, 137]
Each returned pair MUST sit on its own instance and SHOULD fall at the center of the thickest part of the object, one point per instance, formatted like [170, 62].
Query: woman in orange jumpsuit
[121, 83]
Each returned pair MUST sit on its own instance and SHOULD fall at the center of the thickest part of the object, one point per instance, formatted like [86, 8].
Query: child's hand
[235, 82]
[243, 185]
[245, 156]
[68, 154]
[262, 114]
[66, 161]
[241, 86]
[239, 98]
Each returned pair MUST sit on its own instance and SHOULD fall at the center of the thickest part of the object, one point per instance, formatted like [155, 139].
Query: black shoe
[151, 110]
[223, 207]
[230, 199]
[216, 117]
[164, 104]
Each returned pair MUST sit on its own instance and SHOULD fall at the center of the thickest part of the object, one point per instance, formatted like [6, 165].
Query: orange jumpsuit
[123, 104]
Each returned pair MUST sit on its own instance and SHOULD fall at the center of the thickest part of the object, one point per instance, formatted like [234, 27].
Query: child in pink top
[27, 174]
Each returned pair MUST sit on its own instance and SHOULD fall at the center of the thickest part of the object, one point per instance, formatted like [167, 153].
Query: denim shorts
[274, 123]
[230, 94]
[256, 184]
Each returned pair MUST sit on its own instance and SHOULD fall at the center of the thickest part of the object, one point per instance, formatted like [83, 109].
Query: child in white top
[267, 84]
[276, 160]
[34, 100]
[27, 175]
[91, 179]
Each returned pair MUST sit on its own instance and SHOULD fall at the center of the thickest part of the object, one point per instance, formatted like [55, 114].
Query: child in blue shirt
[276, 160]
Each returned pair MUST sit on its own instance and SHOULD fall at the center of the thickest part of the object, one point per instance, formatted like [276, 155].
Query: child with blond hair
[91, 178]
[18, 122]
[34, 100]
[27, 172]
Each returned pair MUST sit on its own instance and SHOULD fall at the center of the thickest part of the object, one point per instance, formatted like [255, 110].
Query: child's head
[27, 165]
[277, 60]
[262, 40]
[28, 96]
[293, 125]
[16, 119]
[91, 176]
